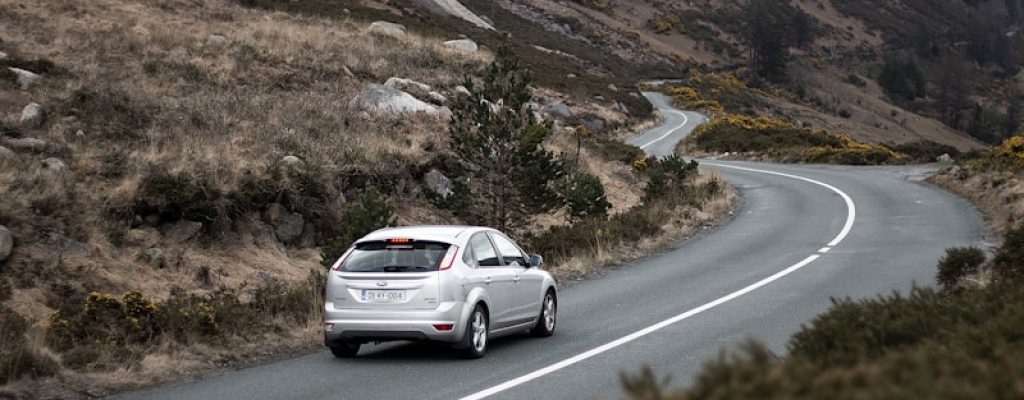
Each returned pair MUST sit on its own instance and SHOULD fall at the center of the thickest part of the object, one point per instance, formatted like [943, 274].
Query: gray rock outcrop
[388, 100]
[438, 183]
[31, 113]
[26, 144]
[464, 45]
[557, 109]
[944, 158]
[182, 230]
[6, 243]
[287, 225]
[387, 28]
[25, 78]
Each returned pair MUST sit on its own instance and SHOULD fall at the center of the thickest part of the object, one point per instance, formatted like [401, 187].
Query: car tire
[344, 349]
[547, 319]
[474, 341]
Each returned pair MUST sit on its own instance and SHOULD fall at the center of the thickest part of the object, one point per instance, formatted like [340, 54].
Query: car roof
[451, 234]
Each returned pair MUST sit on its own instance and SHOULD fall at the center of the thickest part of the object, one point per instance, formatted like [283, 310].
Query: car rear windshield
[412, 256]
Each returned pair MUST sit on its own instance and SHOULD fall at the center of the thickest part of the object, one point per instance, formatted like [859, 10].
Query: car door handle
[487, 280]
[516, 279]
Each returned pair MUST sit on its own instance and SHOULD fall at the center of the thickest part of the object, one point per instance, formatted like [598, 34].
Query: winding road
[801, 235]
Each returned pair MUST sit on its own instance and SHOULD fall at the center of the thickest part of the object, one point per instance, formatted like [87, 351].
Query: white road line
[851, 215]
[685, 120]
[824, 250]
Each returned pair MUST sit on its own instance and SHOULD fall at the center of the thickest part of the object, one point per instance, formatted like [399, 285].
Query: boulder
[70, 247]
[182, 230]
[156, 257]
[3, 56]
[612, 87]
[464, 45]
[56, 165]
[216, 41]
[291, 161]
[617, 106]
[387, 28]
[31, 113]
[594, 124]
[287, 225]
[462, 90]
[407, 85]
[25, 78]
[944, 158]
[26, 144]
[558, 109]
[570, 76]
[438, 183]
[6, 243]
[263, 278]
[388, 100]
[437, 98]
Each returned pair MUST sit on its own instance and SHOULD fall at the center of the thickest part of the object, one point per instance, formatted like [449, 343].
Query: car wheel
[474, 341]
[548, 313]
[344, 349]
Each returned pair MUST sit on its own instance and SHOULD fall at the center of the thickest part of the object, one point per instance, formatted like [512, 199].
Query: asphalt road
[802, 235]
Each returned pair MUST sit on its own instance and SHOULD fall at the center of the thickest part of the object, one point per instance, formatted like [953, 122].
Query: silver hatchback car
[455, 284]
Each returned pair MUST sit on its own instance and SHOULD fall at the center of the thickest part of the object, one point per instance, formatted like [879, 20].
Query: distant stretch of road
[801, 235]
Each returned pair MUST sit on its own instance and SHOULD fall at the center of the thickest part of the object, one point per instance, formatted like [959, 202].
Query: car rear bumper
[375, 324]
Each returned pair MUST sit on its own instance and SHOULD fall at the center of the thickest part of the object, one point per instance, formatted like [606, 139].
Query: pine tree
[768, 35]
[497, 139]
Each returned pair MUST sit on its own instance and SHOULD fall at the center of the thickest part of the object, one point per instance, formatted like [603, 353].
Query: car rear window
[410, 256]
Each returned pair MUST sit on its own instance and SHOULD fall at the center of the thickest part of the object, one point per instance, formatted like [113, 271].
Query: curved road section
[801, 236]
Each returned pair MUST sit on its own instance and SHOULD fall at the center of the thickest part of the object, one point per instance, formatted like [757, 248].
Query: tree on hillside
[768, 34]
[901, 77]
[952, 77]
[497, 139]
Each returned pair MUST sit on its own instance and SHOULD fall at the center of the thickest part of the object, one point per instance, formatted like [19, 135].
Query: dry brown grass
[997, 194]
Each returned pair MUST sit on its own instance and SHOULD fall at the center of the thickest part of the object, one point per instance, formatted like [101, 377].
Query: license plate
[383, 296]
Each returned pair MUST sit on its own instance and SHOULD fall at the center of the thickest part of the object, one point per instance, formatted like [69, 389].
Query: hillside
[835, 77]
[174, 174]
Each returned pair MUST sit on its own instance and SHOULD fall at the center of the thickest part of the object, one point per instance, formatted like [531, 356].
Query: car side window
[509, 251]
[483, 251]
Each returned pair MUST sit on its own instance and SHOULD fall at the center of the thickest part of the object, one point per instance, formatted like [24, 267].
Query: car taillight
[341, 260]
[449, 258]
[444, 327]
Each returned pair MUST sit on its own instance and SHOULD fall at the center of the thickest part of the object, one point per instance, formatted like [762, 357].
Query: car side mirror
[536, 261]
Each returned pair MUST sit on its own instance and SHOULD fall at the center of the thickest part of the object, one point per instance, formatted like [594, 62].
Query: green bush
[958, 263]
[370, 212]
[181, 195]
[16, 357]
[1008, 261]
[584, 195]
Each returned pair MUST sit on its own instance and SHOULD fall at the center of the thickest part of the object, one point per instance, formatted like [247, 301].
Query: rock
[25, 78]
[55, 164]
[7, 154]
[455, 9]
[617, 106]
[387, 28]
[612, 87]
[348, 72]
[570, 76]
[438, 183]
[437, 98]
[182, 230]
[384, 99]
[263, 277]
[462, 90]
[80, 133]
[558, 109]
[944, 158]
[216, 41]
[6, 243]
[3, 56]
[634, 95]
[142, 237]
[155, 256]
[595, 124]
[287, 225]
[31, 113]
[408, 85]
[599, 98]
[70, 247]
[26, 144]
[464, 45]
[291, 161]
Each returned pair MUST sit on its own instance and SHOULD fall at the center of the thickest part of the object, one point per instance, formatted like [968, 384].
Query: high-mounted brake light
[449, 258]
[341, 260]
[399, 240]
